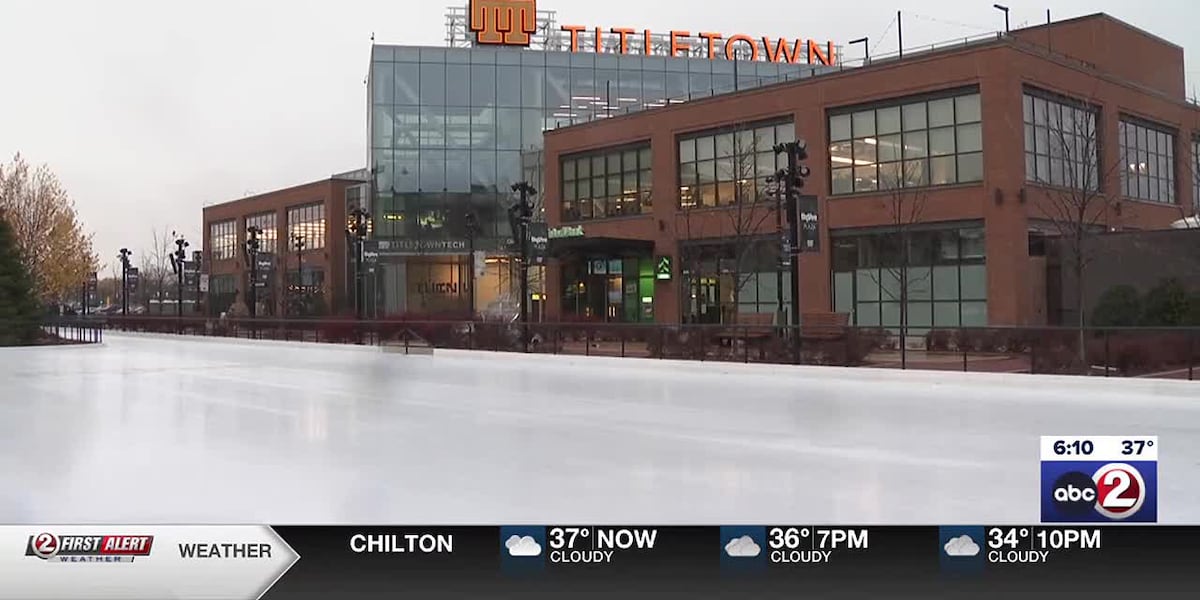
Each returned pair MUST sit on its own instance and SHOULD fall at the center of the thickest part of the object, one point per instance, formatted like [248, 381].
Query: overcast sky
[150, 109]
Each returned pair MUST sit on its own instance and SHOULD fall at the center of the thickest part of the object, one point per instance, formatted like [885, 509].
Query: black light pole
[358, 233]
[774, 182]
[124, 255]
[523, 213]
[252, 245]
[298, 244]
[796, 174]
[178, 258]
[472, 225]
[866, 48]
[1003, 9]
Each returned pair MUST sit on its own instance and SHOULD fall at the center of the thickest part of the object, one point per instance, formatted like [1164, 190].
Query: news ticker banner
[769, 561]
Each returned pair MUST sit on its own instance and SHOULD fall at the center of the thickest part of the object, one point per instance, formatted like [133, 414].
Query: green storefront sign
[562, 233]
[662, 268]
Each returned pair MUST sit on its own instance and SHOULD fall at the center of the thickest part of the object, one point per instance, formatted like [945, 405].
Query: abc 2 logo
[504, 22]
[1099, 492]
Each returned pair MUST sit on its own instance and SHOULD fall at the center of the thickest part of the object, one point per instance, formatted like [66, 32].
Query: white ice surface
[171, 430]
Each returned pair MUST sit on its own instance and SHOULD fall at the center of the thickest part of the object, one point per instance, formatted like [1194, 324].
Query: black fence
[50, 332]
[1170, 353]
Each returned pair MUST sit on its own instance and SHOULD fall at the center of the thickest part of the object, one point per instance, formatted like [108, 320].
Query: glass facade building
[452, 129]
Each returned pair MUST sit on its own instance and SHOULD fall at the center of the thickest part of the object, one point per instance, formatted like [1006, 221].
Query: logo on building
[504, 22]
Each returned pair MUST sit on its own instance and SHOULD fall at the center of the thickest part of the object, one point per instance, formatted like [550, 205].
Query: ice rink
[154, 429]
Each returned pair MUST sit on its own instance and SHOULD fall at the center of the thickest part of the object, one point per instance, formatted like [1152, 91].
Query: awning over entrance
[599, 246]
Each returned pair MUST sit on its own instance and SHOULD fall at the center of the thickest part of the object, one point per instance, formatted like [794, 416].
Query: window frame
[625, 193]
[914, 133]
[309, 219]
[702, 193]
[1150, 185]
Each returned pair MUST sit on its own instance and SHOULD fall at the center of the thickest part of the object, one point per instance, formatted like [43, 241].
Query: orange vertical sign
[504, 22]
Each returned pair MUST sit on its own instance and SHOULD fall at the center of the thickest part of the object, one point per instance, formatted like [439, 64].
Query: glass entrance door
[708, 300]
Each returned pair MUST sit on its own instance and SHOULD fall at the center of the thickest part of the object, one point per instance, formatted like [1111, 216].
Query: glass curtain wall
[452, 129]
[946, 279]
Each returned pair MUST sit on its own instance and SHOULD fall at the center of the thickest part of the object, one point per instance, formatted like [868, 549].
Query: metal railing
[1169, 353]
[50, 332]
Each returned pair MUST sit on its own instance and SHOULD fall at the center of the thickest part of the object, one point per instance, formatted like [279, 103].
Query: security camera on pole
[520, 215]
[178, 261]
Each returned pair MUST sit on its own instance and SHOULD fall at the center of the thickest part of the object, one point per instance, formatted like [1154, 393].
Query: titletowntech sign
[514, 23]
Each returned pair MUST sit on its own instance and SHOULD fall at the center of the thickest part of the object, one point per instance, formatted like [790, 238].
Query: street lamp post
[866, 48]
[520, 215]
[1003, 9]
[358, 233]
[774, 186]
[793, 182]
[124, 255]
[298, 244]
[178, 259]
[252, 246]
[472, 226]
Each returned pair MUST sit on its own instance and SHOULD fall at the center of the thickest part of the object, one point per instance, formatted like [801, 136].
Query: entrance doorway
[609, 290]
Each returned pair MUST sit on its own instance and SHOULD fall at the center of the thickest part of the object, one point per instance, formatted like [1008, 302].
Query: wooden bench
[824, 325]
[751, 326]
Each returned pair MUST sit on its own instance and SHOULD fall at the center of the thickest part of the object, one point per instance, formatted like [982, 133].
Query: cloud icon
[743, 547]
[962, 545]
[523, 546]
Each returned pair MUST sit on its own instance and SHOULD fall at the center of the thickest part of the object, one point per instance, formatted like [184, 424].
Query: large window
[268, 240]
[610, 183]
[722, 283]
[720, 168]
[1148, 161]
[223, 237]
[944, 283]
[308, 221]
[1061, 142]
[937, 141]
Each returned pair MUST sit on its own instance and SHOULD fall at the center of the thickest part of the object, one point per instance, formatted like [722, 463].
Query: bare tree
[905, 207]
[750, 215]
[155, 270]
[743, 230]
[1192, 167]
[1076, 203]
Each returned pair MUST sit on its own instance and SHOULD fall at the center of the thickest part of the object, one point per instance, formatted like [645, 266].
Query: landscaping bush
[1166, 305]
[940, 340]
[1055, 352]
[1119, 306]
[1141, 353]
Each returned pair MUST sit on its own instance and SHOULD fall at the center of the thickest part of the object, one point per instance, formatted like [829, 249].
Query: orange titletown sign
[504, 22]
[514, 23]
[716, 45]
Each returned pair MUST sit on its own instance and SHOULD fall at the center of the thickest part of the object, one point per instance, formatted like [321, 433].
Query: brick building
[311, 281]
[984, 137]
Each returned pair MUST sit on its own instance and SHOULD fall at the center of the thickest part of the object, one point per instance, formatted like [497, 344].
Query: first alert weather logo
[88, 548]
